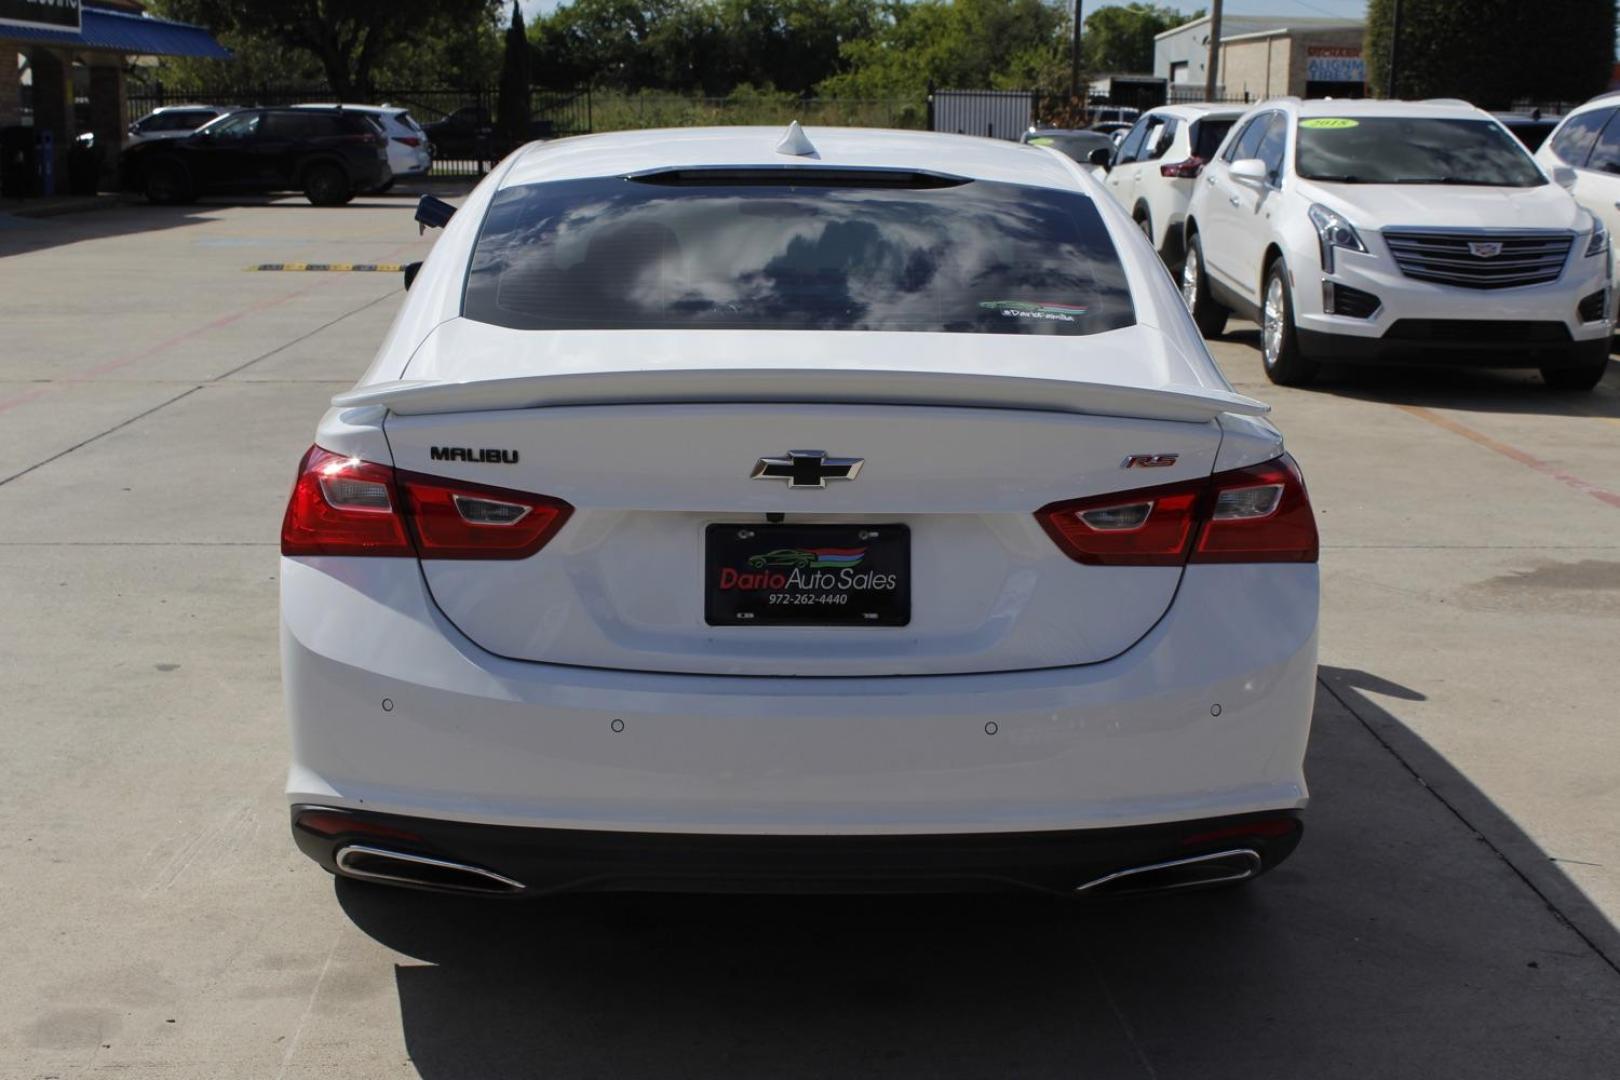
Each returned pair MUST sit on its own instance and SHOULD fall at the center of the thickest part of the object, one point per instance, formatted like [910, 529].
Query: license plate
[807, 575]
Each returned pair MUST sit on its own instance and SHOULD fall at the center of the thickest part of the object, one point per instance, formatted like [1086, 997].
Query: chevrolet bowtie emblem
[807, 468]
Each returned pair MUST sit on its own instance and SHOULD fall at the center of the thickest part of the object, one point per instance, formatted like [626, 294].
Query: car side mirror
[1102, 156]
[1564, 177]
[1249, 171]
[432, 213]
[411, 270]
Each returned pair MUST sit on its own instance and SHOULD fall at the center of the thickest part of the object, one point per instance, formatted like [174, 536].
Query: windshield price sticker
[1328, 123]
[1024, 309]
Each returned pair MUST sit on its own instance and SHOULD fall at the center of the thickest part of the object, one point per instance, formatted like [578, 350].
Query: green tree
[349, 41]
[965, 43]
[1119, 39]
[707, 45]
[1492, 52]
[512, 106]
[606, 42]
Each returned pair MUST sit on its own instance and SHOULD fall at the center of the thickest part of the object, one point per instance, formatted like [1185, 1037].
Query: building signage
[1327, 63]
[43, 14]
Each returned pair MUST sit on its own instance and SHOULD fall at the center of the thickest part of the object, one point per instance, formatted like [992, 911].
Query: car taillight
[1146, 527]
[343, 506]
[1183, 170]
[346, 506]
[452, 520]
[1257, 514]
[409, 140]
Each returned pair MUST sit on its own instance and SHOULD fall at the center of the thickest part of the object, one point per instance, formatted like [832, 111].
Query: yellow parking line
[332, 268]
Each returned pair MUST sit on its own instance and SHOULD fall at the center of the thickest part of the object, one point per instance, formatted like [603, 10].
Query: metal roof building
[53, 52]
[1264, 56]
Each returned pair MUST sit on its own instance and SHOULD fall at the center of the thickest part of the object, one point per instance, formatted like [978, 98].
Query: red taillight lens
[452, 520]
[1183, 170]
[343, 506]
[1147, 527]
[409, 140]
[1258, 514]
[346, 506]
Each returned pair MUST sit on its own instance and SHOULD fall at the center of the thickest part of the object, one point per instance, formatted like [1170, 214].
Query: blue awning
[132, 35]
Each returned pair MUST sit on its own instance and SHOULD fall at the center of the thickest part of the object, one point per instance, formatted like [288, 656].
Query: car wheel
[1576, 378]
[1279, 344]
[167, 183]
[1206, 312]
[327, 185]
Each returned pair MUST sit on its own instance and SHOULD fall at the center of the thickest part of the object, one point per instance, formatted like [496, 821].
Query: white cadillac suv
[844, 511]
[1388, 231]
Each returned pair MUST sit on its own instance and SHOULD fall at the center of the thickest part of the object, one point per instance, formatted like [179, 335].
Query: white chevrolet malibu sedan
[838, 511]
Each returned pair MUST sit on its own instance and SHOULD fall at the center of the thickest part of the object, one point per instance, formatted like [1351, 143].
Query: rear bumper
[532, 861]
[394, 711]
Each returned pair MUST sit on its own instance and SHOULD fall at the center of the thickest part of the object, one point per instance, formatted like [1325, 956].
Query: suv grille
[1453, 258]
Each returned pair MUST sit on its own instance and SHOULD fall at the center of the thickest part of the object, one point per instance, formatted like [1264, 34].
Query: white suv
[1379, 231]
[173, 122]
[1588, 141]
[409, 153]
[1154, 170]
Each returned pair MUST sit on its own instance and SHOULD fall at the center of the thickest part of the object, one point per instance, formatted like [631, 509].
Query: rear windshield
[1207, 136]
[1409, 150]
[795, 253]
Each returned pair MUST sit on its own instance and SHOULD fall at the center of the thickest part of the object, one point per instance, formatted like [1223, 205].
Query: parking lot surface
[1451, 912]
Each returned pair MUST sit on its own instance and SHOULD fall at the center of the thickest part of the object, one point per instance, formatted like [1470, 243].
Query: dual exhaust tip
[1218, 868]
[398, 868]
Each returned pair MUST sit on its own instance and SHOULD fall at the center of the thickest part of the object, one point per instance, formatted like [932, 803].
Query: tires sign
[40, 14]
[1330, 63]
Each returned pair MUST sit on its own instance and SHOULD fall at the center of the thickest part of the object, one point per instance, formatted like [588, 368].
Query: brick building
[1263, 57]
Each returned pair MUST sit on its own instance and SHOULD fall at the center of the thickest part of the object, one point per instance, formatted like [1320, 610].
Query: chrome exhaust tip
[398, 868]
[1218, 868]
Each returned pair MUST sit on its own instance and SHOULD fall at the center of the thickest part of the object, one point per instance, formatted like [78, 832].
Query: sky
[1346, 9]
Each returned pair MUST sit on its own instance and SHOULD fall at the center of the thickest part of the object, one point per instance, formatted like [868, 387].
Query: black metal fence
[460, 122]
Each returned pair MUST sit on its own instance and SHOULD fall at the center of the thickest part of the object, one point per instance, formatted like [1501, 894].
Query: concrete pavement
[1451, 912]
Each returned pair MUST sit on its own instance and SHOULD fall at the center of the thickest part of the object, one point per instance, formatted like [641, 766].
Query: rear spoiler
[1192, 404]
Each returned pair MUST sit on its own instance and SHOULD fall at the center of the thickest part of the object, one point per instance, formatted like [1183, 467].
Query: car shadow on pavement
[1397, 942]
[1490, 390]
[21, 234]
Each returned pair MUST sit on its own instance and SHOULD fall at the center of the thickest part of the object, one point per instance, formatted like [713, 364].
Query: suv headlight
[1332, 231]
[1600, 239]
